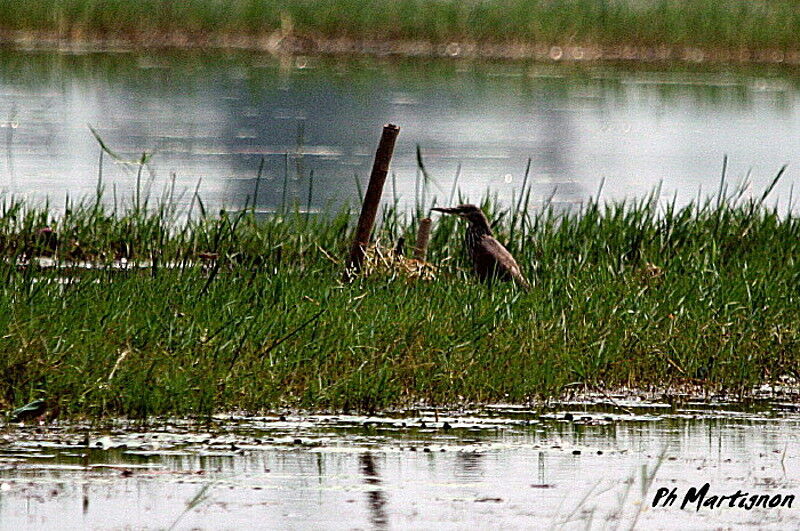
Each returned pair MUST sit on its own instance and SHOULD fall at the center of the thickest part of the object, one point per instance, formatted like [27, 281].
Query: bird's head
[471, 213]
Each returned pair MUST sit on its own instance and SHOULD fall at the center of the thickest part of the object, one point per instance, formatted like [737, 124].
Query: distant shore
[573, 30]
[279, 45]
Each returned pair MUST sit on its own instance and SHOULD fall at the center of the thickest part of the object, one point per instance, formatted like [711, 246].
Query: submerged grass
[232, 311]
[731, 24]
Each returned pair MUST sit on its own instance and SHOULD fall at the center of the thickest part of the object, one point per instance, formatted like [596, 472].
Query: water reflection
[469, 464]
[488, 471]
[10, 125]
[214, 117]
[376, 499]
[85, 496]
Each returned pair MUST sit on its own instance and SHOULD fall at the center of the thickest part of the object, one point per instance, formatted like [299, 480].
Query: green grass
[728, 24]
[637, 294]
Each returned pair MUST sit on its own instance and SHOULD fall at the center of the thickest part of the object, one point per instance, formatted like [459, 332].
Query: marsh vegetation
[724, 24]
[140, 308]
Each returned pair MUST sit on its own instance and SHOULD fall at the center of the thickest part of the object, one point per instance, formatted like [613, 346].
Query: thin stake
[423, 236]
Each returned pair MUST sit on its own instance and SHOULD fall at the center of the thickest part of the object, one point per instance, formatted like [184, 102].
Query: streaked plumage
[490, 259]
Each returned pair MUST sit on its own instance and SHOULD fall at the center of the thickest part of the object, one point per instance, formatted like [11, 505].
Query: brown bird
[489, 258]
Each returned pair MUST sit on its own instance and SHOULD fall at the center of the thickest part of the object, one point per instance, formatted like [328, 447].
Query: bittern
[489, 258]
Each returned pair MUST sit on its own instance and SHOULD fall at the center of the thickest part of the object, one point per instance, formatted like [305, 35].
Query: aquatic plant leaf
[29, 411]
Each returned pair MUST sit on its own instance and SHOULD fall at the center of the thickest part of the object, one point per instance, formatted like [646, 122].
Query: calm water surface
[500, 468]
[210, 118]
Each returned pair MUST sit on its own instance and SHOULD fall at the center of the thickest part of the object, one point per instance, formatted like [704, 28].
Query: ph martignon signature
[700, 498]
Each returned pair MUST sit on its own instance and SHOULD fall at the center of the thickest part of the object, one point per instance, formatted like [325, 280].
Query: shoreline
[282, 44]
[571, 405]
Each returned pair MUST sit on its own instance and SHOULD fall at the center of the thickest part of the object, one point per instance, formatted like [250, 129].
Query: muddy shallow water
[572, 466]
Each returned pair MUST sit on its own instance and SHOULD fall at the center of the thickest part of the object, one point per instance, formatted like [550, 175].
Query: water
[501, 467]
[209, 119]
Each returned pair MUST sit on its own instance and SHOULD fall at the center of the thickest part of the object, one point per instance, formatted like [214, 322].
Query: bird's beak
[446, 210]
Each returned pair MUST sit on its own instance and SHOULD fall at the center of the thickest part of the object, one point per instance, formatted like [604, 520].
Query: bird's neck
[479, 229]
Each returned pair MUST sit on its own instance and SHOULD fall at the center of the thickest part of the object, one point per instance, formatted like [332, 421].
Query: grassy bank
[710, 24]
[231, 312]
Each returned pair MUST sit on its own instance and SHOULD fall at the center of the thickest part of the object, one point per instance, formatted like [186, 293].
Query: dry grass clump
[385, 261]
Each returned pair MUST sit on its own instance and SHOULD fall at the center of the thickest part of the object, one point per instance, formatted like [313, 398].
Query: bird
[490, 259]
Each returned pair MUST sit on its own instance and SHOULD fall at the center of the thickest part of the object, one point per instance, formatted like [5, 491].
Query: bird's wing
[492, 255]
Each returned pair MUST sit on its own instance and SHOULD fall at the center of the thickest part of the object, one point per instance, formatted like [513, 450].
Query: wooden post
[372, 200]
[423, 235]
